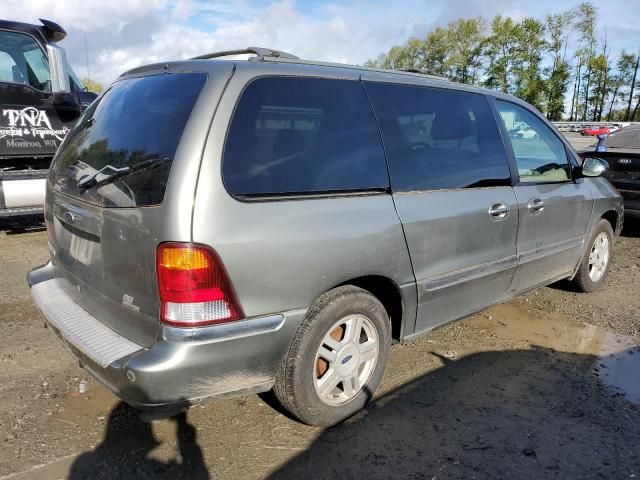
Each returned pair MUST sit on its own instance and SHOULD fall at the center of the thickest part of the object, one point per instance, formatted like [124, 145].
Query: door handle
[535, 205]
[499, 211]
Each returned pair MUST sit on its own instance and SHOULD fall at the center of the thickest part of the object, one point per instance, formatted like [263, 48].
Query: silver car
[219, 227]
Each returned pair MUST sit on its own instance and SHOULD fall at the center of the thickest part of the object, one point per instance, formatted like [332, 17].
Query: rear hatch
[105, 193]
[624, 173]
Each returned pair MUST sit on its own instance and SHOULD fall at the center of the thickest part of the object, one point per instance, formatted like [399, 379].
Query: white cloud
[125, 34]
[86, 15]
[146, 32]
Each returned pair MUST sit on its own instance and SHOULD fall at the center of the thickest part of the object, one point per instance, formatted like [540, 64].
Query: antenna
[86, 56]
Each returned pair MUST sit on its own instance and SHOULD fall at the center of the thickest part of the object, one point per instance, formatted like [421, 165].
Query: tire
[586, 280]
[305, 373]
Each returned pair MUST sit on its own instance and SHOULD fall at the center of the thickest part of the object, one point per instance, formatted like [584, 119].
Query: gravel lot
[546, 386]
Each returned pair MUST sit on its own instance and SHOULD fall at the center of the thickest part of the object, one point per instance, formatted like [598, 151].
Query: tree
[499, 50]
[436, 51]
[514, 52]
[395, 58]
[600, 70]
[399, 57]
[575, 95]
[635, 109]
[92, 85]
[466, 38]
[530, 59]
[413, 51]
[624, 66]
[633, 67]
[454, 52]
[526, 65]
[558, 74]
[585, 24]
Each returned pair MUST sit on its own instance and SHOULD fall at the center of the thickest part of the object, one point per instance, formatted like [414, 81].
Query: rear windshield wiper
[92, 180]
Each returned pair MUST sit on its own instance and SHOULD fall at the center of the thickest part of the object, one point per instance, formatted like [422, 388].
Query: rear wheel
[595, 265]
[337, 357]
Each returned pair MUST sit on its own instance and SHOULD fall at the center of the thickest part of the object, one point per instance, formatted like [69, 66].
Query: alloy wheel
[345, 359]
[599, 257]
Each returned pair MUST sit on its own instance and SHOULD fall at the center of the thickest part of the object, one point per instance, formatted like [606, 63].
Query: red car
[596, 130]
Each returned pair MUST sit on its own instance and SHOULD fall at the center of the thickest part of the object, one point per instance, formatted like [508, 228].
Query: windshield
[74, 77]
[135, 122]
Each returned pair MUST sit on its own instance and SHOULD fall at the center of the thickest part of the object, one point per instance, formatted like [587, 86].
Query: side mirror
[60, 83]
[594, 167]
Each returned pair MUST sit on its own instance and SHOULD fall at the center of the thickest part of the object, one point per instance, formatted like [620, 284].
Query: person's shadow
[124, 452]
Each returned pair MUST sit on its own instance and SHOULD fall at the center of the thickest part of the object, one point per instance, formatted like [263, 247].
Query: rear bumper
[631, 200]
[185, 366]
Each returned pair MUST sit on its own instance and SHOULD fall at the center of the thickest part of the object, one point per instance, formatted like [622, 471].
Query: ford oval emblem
[624, 161]
[69, 217]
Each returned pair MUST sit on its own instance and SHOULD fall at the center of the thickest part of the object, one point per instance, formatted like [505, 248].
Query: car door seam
[395, 208]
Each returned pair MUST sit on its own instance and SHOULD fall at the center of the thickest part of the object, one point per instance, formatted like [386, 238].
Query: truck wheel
[597, 259]
[337, 357]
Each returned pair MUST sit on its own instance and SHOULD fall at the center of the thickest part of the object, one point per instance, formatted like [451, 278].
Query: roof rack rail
[260, 52]
[421, 72]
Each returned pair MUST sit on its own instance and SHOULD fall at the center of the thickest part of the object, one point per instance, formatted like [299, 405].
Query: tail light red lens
[194, 287]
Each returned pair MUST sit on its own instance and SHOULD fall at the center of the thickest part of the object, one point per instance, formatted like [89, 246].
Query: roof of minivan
[266, 65]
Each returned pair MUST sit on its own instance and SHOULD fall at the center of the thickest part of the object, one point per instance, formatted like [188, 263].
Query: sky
[124, 34]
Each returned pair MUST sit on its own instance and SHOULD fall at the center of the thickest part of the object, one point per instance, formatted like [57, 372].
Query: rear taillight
[194, 287]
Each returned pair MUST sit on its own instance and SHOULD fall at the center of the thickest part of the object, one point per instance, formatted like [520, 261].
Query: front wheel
[337, 357]
[595, 264]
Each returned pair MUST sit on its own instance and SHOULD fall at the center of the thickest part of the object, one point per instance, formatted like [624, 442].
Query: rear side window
[120, 151]
[295, 135]
[438, 139]
[539, 153]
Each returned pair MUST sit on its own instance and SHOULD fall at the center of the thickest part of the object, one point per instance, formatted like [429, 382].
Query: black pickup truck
[40, 100]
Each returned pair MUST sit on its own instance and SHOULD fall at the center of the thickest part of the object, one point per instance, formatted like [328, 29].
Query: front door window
[540, 155]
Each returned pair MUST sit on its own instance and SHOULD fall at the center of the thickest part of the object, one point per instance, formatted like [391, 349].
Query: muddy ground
[547, 386]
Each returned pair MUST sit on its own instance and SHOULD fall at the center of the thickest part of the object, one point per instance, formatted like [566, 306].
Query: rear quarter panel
[606, 198]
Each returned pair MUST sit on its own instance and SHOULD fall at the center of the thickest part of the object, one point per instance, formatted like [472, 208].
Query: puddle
[621, 371]
[617, 361]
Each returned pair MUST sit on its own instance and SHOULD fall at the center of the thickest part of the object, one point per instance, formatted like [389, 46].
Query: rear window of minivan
[132, 131]
[303, 135]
